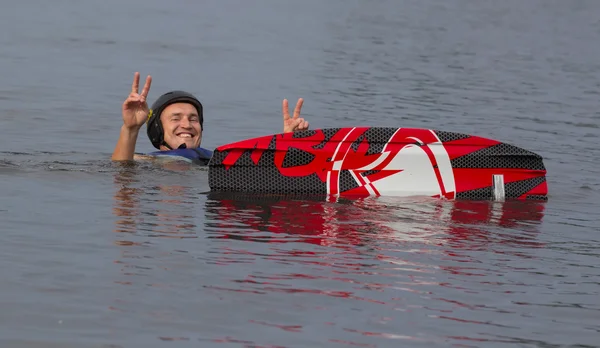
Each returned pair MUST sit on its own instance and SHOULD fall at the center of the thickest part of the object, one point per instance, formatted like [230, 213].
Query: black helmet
[154, 127]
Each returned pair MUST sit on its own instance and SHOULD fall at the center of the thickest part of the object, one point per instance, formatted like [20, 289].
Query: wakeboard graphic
[375, 161]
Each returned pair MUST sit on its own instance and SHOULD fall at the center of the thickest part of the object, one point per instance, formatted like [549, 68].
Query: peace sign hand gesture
[296, 123]
[135, 109]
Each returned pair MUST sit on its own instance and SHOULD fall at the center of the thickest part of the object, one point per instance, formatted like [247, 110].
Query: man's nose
[185, 122]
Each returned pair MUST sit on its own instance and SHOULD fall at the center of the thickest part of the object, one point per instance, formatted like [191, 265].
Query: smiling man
[175, 121]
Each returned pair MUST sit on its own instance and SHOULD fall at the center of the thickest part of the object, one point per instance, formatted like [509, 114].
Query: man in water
[175, 120]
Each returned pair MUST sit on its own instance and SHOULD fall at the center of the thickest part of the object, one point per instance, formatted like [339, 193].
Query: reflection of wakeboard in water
[351, 222]
[375, 161]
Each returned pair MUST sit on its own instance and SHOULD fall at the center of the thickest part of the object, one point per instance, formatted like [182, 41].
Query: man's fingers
[135, 86]
[298, 108]
[285, 111]
[146, 86]
[130, 99]
[133, 98]
[298, 123]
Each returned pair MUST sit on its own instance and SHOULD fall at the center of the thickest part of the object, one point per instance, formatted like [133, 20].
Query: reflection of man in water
[157, 210]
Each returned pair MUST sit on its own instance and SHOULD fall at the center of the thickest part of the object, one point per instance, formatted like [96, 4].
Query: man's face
[181, 125]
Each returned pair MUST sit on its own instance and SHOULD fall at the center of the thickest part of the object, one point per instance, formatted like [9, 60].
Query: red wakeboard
[373, 161]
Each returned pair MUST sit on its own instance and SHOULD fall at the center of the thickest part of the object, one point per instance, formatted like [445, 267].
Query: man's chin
[190, 143]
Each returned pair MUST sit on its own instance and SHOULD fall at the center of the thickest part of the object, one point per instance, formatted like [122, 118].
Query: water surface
[98, 254]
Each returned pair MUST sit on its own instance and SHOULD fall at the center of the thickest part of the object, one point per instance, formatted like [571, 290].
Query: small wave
[84, 162]
[583, 125]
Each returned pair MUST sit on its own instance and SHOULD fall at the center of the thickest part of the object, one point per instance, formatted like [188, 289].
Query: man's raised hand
[135, 109]
[295, 123]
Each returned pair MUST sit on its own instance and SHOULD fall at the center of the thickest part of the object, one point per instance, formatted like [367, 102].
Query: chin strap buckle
[182, 146]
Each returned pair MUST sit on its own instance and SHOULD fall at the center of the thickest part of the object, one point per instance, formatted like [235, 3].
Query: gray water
[96, 254]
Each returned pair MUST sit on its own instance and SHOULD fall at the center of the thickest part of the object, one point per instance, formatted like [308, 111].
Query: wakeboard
[376, 161]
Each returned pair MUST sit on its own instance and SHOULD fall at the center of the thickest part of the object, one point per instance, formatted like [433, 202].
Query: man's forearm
[125, 147]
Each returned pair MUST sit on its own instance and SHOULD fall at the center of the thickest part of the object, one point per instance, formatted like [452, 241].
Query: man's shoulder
[194, 154]
[142, 156]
